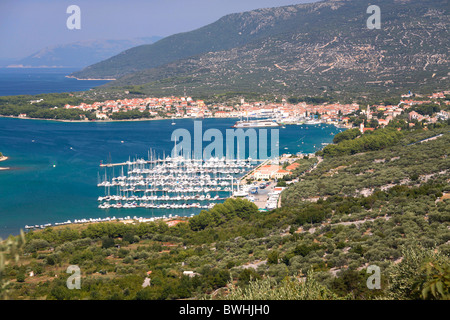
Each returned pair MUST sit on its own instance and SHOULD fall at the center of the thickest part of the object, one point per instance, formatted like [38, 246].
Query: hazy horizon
[27, 26]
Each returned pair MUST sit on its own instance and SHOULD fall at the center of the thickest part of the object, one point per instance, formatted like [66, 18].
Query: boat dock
[112, 164]
[171, 183]
[126, 219]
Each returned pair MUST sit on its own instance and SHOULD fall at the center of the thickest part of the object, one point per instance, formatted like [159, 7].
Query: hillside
[322, 48]
[231, 31]
[80, 54]
[404, 229]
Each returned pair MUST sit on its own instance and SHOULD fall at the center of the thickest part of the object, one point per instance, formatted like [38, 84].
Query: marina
[171, 183]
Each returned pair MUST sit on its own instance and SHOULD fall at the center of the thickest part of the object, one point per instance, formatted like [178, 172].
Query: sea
[55, 166]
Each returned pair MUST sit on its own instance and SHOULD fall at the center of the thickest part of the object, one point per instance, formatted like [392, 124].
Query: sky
[27, 26]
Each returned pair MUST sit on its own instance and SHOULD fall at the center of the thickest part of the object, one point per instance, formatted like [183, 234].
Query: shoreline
[143, 119]
[110, 120]
[90, 79]
[87, 121]
[87, 221]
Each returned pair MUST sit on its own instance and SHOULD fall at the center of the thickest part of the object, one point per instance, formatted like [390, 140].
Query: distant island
[78, 54]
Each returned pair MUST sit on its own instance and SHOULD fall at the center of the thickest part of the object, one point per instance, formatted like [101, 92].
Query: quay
[113, 164]
[167, 160]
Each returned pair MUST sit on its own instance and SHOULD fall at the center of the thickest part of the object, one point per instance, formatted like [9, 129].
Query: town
[284, 112]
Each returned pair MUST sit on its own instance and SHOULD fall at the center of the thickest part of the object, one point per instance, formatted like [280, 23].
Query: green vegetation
[10, 250]
[132, 114]
[221, 213]
[304, 166]
[287, 289]
[346, 135]
[371, 171]
[51, 106]
[312, 100]
[369, 141]
[422, 274]
[379, 198]
[428, 108]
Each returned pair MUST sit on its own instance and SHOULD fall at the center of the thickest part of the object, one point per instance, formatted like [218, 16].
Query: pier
[113, 164]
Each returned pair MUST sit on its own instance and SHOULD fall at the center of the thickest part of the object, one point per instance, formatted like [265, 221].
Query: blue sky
[27, 26]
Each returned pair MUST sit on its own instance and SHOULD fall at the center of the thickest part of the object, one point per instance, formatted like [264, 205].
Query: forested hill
[317, 48]
[374, 162]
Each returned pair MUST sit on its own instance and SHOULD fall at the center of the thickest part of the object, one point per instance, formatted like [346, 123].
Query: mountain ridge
[318, 48]
[231, 28]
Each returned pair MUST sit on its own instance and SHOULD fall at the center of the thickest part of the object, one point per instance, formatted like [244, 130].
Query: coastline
[87, 121]
[110, 120]
[90, 79]
[141, 119]
[124, 220]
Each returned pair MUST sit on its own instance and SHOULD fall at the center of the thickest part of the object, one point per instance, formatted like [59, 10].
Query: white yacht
[256, 124]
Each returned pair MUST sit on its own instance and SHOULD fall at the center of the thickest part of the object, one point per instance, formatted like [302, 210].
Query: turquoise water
[55, 165]
[41, 80]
